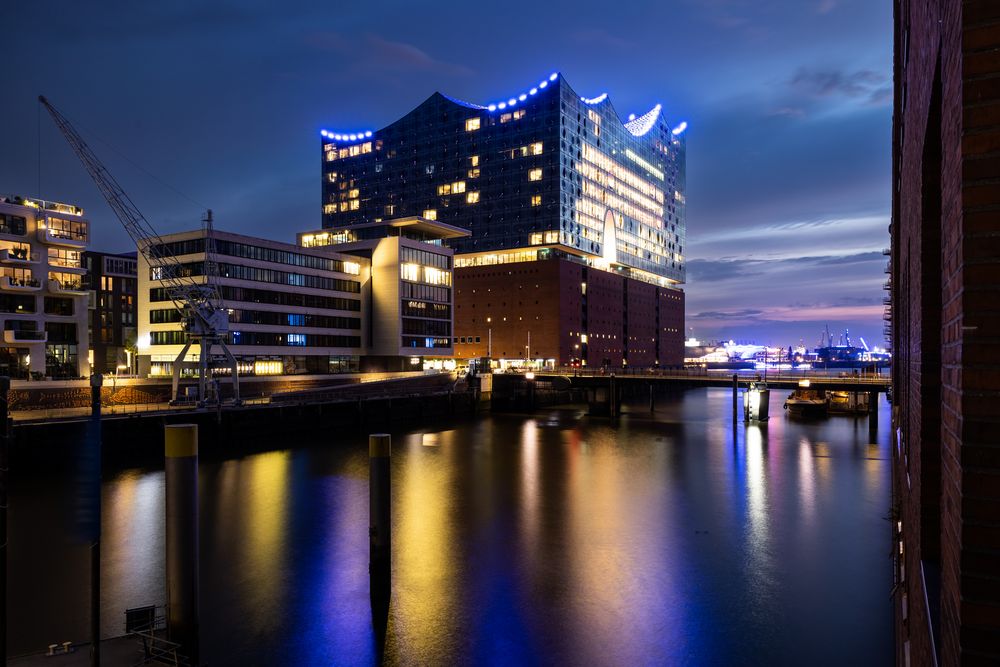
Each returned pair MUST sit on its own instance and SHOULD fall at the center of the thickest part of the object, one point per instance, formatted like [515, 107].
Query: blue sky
[788, 103]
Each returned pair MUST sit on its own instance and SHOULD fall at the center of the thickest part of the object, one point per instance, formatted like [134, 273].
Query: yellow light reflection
[424, 575]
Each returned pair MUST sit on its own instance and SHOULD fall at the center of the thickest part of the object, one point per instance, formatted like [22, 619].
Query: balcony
[68, 265]
[18, 257]
[61, 238]
[19, 284]
[12, 336]
[69, 288]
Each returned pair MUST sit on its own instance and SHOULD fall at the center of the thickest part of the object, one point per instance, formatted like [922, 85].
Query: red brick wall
[605, 305]
[671, 328]
[642, 347]
[946, 323]
[511, 300]
[547, 298]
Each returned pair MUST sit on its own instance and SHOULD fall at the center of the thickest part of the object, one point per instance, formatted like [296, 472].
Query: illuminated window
[431, 214]
[343, 206]
[473, 173]
[330, 208]
[474, 160]
[353, 194]
[458, 187]
[366, 147]
[552, 237]
[409, 271]
[536, 148]
[332, 177]
[535, 238]
[472, 197]
[472, 124]
[444, 189]
[519, 114]
[505, 117]
[536, 200]
[535, 175]
[355, 204]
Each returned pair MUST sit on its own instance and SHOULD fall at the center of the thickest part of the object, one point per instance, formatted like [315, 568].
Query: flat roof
[432, 228]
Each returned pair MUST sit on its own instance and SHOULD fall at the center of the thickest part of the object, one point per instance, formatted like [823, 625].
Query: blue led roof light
[644, 123]
[636, 125]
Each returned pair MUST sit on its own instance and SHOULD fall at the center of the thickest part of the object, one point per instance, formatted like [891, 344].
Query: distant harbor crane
[204, 318]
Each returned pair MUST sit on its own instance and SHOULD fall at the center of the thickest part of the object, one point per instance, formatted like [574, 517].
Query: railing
[18, 255]
[818, 375]
[22, 282]
[25, 334]
[65, 263]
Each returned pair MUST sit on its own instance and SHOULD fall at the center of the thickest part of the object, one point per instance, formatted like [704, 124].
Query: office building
[113, 303]
[43, 297]
[410, 313]
[945, 268]
[292, 310]
[542, 175]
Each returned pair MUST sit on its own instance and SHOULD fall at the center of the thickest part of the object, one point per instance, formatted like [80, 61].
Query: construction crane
[203, 315]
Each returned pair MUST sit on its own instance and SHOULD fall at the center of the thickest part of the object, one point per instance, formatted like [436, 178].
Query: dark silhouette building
[113, 307]
[945, 315]
[543, 177]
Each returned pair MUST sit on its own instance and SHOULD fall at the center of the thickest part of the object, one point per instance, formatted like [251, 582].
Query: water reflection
[677, 538]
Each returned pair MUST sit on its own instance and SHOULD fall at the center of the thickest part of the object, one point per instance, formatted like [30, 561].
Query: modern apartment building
[292, 310]
[541, 175]
[113, 304]
[945, 272]
[43, 296]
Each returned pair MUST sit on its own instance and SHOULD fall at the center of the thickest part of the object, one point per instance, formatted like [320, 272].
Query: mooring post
[379, 514]
[736, 391]
[873, 416]
[183, 623]
[4, 471]
[94, 446]
[652, 404]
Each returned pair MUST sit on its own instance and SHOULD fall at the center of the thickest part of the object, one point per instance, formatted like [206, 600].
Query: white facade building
[43, 290]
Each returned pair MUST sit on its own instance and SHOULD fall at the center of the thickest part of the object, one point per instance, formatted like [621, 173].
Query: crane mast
[204, 317]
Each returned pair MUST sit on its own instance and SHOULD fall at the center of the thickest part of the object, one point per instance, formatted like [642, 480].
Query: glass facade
[546, 167]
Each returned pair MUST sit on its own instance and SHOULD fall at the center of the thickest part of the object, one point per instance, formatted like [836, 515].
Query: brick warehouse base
[945, 269]
[572, 313]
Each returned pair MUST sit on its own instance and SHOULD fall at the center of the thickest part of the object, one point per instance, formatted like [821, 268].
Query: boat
[806, 401]
[847, 402]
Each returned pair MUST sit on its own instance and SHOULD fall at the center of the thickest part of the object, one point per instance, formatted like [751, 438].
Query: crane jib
[200, 304]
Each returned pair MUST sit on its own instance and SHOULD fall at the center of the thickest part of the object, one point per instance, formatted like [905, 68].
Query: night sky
[218, 105]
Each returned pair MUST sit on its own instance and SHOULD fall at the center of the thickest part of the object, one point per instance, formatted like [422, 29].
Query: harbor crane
[203, 316]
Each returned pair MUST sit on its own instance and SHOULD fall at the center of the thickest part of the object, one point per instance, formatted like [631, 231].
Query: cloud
[835, 83]
[384, 55]
[747, 313]
[790, 112]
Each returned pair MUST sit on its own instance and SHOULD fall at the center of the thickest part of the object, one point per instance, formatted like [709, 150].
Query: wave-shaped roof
[636, 125]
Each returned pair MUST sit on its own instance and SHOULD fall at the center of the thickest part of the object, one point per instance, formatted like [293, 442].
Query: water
[555, 539]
